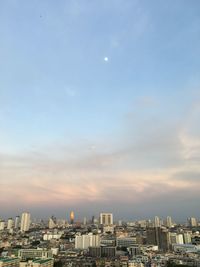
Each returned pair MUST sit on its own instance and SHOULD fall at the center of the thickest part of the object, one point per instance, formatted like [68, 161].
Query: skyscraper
[2, 225]
[158, 236]
[106, 218]
[169, 222]
[86, 241]
[157, 221]
[17, 219]
[10, 224]
[25, 221]
[52, 222]
[71, 217]
[192, 222]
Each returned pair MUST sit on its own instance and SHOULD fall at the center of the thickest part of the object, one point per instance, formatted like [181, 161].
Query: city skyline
[100, 107]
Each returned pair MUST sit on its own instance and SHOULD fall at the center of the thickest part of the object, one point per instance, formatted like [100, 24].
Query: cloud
[148, 162]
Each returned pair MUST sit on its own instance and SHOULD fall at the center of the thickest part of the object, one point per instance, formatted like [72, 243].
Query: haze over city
[100, 108]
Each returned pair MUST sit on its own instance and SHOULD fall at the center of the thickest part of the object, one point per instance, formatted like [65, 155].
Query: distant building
[38, 263]
[52, 222]
[84, 220]
[158, 236]
[176, 238]
[86, 241]
[2, 225]
[9, 262]
[108, 229]
[126, 241]
[187, 238]
[106, 218]
[49, 236]
[192, 222]
[169, 222]
[25, 254]
[72, 216]
[157, 221]
[17, 220]
[108, 252]
[25, 222]
[10, 224]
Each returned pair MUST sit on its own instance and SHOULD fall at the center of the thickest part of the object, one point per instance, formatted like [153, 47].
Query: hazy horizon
[100, 107]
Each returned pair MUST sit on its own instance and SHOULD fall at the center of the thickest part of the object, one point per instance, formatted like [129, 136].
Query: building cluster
[98, 242]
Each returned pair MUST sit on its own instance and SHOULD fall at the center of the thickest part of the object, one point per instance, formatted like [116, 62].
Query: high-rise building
[187, 238]
[106, 218]
[169, 222]
[86, 241]
[192, 222]
[25, 221]
[17, 220]
[10, 224]
[2, 225]
[72, 217]
[176, 238]
[157, 221]
[52, 222]
[84, 220]
[158, 236]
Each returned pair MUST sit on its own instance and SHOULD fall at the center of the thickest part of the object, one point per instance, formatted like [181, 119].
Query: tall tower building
[86, 241]
[10, 224]
[25, 222]
[2, 225]
[169, 222]
[71, 217]
[52, 222]
[158, 236]
[187, 238]
[156, 221]
[106, 218]
[192, 222]
[17, 219]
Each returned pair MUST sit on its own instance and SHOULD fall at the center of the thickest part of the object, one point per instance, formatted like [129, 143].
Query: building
[52, 222]
[158, 236]
[156, 221]
[95, 252]
[108, 241]
[38, 263]
[49, 236]
[106, 218]
[10, 224]
[17, 220]
[108, 252]
[108, 229]
[86, 241]
[72, 216]
[187, 238]
[126, 241]
[25, 254]
[176, 238]
[2, 225]
[169, 222]
[9, 262]
[25, 222]
[188, 248]
[192, 222]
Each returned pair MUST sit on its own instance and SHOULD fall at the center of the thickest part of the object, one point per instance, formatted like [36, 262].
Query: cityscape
[99, 133]
[98, 241]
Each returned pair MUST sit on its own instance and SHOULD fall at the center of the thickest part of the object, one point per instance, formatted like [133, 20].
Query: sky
[100, 108]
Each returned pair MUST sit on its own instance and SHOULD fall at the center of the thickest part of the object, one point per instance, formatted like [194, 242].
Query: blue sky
[62, 103]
